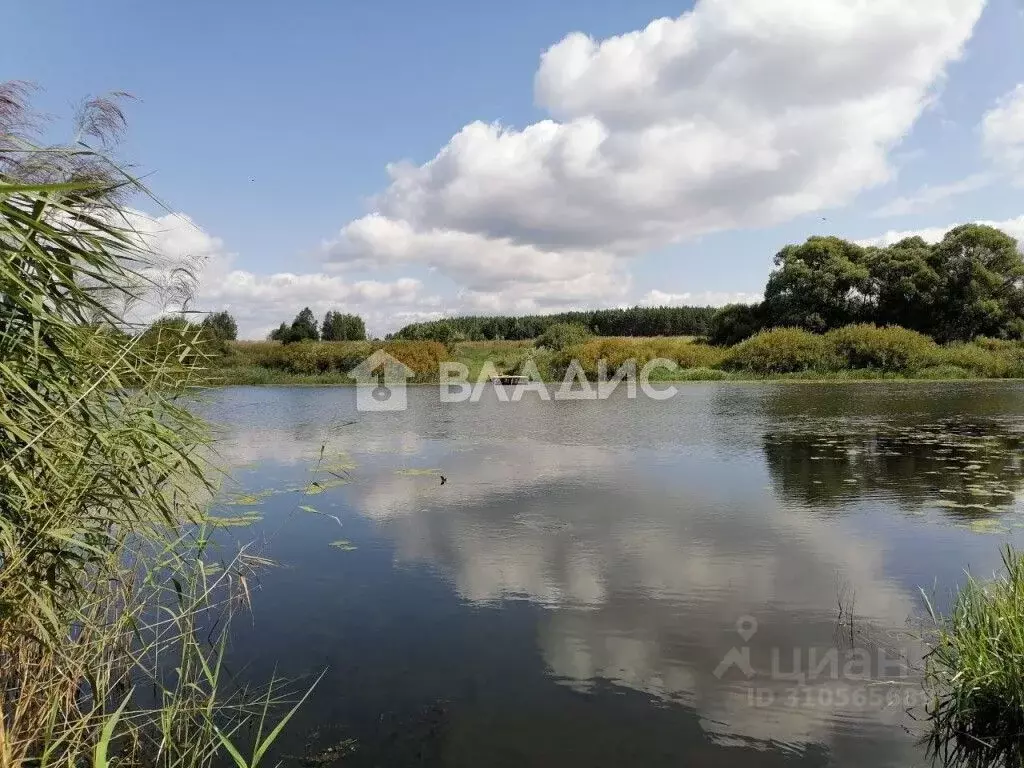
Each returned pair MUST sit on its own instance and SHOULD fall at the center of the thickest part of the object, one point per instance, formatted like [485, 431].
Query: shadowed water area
[729, 577]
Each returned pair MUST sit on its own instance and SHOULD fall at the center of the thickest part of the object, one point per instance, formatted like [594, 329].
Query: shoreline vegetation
[852, 353]
[114, 597]
[833, 310]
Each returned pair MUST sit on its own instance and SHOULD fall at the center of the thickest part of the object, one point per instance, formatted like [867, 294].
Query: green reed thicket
[975, 671]
[112, 602]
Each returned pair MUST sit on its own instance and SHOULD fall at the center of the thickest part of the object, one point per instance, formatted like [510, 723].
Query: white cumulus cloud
[739, 113]
[260, 302]
[1013, 227]
[658, 298]
[1003, 133]
[930, 196]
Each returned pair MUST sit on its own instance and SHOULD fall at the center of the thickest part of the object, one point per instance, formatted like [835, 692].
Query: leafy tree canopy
[303, 328]
[969, 284]
[635, 321]
[342, 327]
[222, 325]
[563, 335]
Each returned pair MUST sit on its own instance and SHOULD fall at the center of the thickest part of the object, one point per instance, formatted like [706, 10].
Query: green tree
[171, 334]
[562, 336]
[304, 326]
[819, 285]
[904, 285]
[734, 323]
[338, 326]
[982, 284]
[222, 325]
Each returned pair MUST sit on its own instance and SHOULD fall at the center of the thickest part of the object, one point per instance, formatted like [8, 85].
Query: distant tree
[174, 335]
[903, 286]
[734, 323]
[635, 321]
[169, 324]
[442, 331]
[280, 333]
[562, 336]
[222, 325]
[819, 285]
[982, 284]
[968, 285]
[342, 327]
[303, 328]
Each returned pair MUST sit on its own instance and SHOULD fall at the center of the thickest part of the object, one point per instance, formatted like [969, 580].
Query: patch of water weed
[964, 467]
[236, 521]
[987, 525]
[337, 464]
[248, 499]
[319, 486]
[331, 754]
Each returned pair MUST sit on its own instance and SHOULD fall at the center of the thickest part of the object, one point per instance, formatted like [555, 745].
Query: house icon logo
[381, 383]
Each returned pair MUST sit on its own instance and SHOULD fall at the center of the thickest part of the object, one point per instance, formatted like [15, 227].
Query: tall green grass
[975, 672]
[112, 602]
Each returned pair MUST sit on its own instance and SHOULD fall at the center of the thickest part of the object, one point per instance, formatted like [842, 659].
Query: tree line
[222, 327]
[969, 284]
[635, 321]
[336, 326]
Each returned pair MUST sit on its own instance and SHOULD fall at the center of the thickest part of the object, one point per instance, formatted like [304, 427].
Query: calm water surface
[730, 577]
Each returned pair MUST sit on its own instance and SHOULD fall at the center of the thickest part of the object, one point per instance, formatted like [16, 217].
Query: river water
[732, 576]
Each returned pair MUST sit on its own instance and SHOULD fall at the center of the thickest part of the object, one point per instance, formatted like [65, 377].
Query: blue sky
[269, 128]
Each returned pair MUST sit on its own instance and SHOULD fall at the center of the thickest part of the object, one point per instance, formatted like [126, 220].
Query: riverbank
[262, 377]
[856, 353]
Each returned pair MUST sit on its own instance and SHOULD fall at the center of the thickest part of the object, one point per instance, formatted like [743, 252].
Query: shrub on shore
[561, 335]
[781, 350]
[885, 349]
[309, 358]
[615, 352]
[992, 358]
[695, 355]
[854, 351]
[424, 358]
